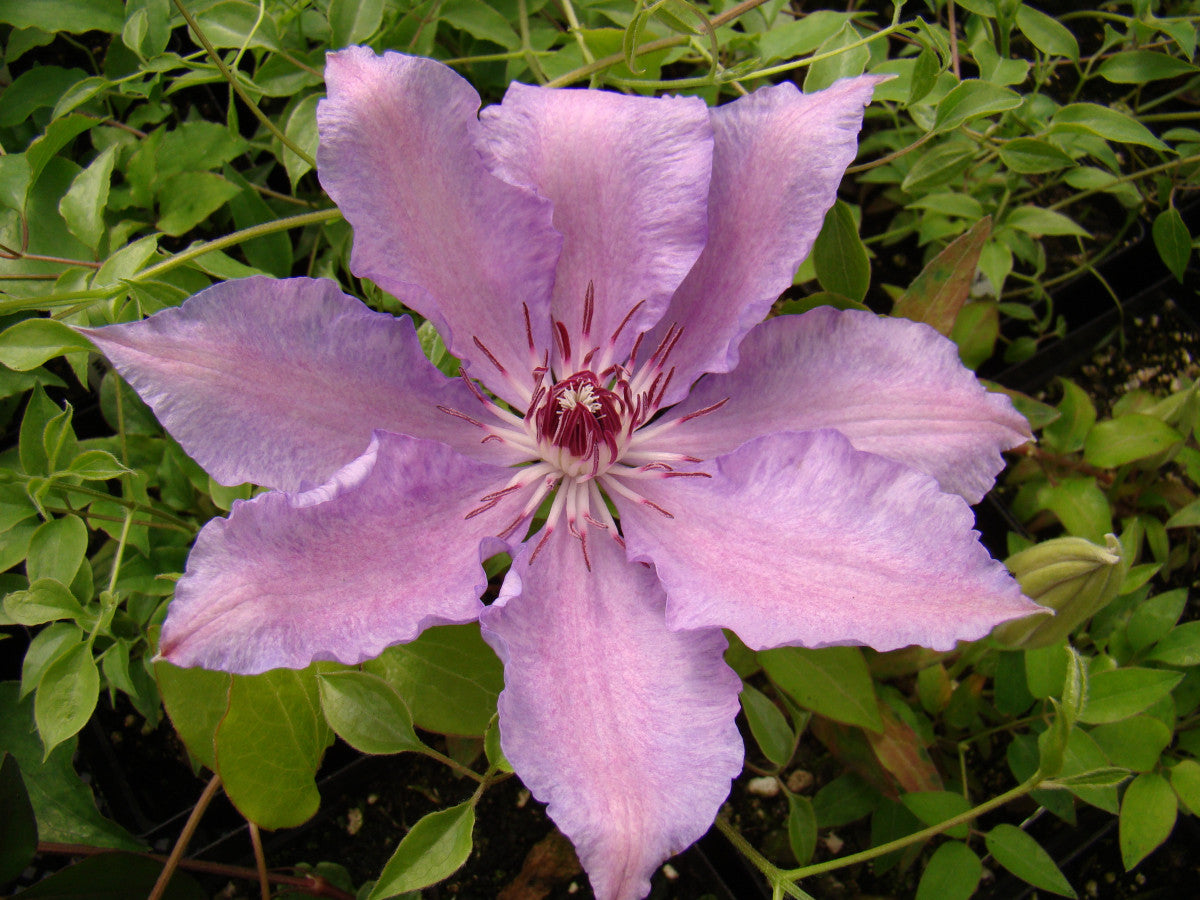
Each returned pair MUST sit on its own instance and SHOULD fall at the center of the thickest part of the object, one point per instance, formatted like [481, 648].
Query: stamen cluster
[582, 431]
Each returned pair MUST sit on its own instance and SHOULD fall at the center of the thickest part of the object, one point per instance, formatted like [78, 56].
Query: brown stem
[309, 884]
[185, 837]
[9, 253]
[260, 861]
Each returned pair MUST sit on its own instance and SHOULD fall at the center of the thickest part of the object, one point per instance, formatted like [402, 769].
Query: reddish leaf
[938, 293]
[903, 755]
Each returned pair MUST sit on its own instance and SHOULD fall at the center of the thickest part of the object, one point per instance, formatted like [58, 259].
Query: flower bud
[1069, 575]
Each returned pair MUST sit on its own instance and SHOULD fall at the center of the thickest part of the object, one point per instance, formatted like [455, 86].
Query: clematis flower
[599, 263]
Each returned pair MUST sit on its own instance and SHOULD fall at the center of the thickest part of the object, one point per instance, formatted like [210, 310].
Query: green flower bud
[1069, 575]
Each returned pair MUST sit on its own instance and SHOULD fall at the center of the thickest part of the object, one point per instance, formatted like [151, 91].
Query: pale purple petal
[282, 382]
[893, 387]
[342, 571]
[778, 161]
[628, 177]
[625, 728]
[798, 538]
[432, 226]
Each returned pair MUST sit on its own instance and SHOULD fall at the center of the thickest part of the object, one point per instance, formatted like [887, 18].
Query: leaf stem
[237, 237]
[260, 861]
[237, 88]
[613, 59]
[970, 815]
[313, 885]
[185, 836]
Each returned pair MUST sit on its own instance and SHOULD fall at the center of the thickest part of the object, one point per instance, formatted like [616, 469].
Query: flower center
[579, 423]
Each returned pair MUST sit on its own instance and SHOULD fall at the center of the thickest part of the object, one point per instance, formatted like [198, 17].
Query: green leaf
[493, 749]
[301, 130]
[20, 825]
[845, 63]
[1148, 812]
[353, 21]
[188, 198]
[976, 330]
[1127, 438]
[1180, 647]
[1046, 670]
[1135, 743]
[436, 847]
[1141, 66]
[1077, 415]
[1185, 781]
[367, 713]
[924, 75]
[57, 549]
[839, 255]
[971, 99]
[1080, 505]
[193, 147]
[1121, 693]
[15, 178]
[935, 807]
[1030, 156]
[768, 725]
[480, 20]
[1042, 222]
[235, 23]
[66, 696]
[82, 207]
[64, 15]
[46, 600]
[1154, 618]
[147, 26]
[33, 90]
[1025, 858]
[196, 701]
[64, 805]
[1046, 33]
[1173, 241]
[952, 873]
[1186, 517]
[941, 163]
[59, 440]
[270, 744]
[802, 827]
[833, 682]
[801, 35]
[96, 465]
[448, 676]
[29, 343]
[1110, 124]
[113, 876]
[845, 799]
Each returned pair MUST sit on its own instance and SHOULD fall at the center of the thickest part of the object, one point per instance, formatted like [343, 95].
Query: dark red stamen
[636, 346]
[580, 415]
[488, 353]
[563, 339]
[528, 328]
[624, 322]
[458, 415]
[705, 411]
[654, 506]
[589, 307]
[472, 387]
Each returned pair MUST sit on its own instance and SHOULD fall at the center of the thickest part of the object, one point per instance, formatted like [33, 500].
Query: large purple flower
[590, 257]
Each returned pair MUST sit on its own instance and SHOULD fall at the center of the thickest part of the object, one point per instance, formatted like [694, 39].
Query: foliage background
[151, 148]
